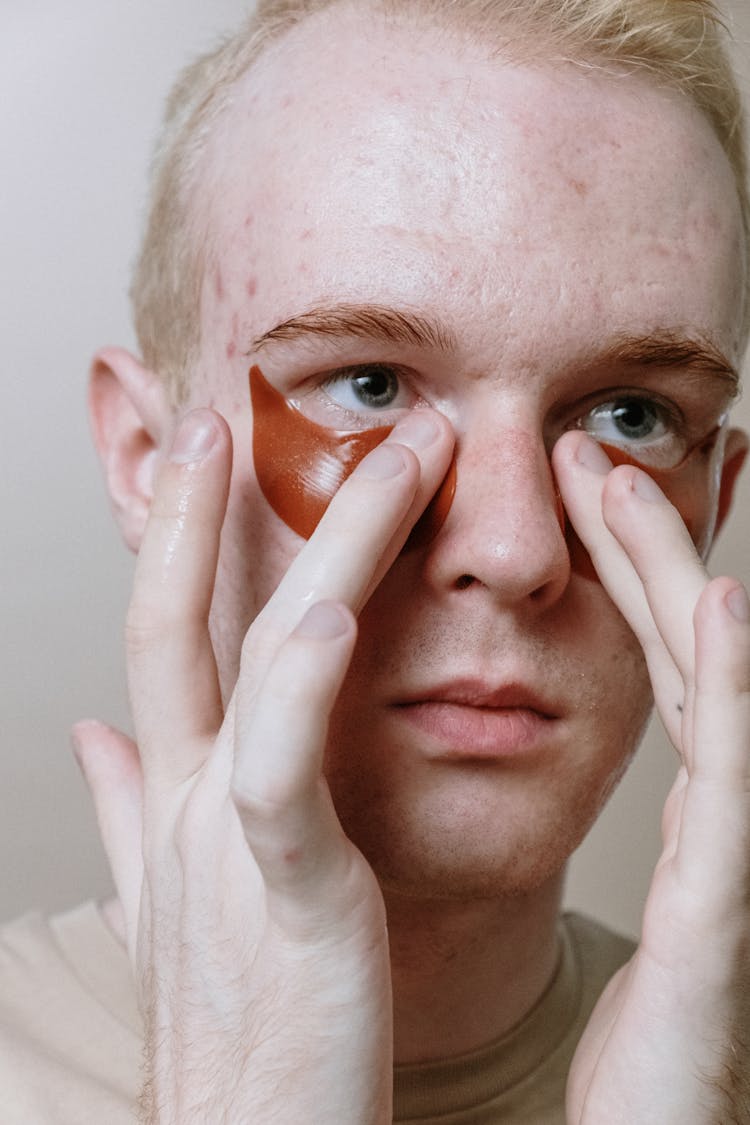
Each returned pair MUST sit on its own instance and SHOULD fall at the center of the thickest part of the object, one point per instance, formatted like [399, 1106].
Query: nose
[504, 535]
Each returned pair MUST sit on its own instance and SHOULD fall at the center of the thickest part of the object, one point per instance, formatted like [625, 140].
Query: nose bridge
[505, 530]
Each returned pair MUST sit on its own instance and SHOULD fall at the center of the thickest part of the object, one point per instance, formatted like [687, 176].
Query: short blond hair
[680, 43]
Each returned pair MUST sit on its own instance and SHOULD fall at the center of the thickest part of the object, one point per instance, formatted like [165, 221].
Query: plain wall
[82, 88]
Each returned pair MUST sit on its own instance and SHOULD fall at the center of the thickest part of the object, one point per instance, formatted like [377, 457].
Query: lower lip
[488, 733]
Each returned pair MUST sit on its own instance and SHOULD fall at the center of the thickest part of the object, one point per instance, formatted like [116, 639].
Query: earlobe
[129, 416]
[735, 452]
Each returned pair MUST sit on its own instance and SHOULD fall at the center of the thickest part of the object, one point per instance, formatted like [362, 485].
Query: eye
[629, 420]
[655, 434]
[368, 387]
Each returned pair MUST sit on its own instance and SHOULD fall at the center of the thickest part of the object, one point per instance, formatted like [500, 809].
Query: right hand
[256, 929]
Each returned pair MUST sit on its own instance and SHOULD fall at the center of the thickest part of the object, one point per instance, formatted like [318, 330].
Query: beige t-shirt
[70, 1034]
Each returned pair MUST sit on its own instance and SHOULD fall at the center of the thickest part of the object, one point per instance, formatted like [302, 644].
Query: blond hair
[679, 42]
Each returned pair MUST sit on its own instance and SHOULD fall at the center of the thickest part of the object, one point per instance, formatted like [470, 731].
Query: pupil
[635, 419]
[376, 386]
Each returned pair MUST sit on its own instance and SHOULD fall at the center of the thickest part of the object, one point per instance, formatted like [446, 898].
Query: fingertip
[81, 734]
[197, 433]
[325, 621]
[419, 430]
[723, 599]
[738, 604]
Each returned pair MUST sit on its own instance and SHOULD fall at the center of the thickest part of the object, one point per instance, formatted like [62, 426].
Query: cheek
[300, 465]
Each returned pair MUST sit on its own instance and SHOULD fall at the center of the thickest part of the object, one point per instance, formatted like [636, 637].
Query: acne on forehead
[332, 154]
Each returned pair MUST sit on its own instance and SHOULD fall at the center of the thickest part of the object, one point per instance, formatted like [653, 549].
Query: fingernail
[646, 488]
[418, 431]
[194, 438]
[323, 622]
[385, 461]
[593, 457]
[738, 604]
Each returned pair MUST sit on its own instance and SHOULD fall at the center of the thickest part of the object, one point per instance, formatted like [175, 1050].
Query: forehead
[364, 162]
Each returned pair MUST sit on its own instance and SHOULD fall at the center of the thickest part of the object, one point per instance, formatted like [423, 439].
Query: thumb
[111, 768]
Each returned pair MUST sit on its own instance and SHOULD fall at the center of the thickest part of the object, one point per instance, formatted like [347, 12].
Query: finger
[714, 843]
[582, 470]
[171, 667]
[722, 685]
[111, 768]
[284, 806]
[364, 527]
[658, 544]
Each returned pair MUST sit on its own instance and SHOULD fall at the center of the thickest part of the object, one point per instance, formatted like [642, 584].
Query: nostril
[464, 581]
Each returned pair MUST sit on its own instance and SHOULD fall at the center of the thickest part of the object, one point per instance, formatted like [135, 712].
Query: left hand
[669, 1041]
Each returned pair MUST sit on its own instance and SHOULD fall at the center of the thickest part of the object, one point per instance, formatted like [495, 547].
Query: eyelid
[312, 399]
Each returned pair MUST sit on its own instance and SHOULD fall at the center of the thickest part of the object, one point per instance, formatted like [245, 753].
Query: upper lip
[479, 693]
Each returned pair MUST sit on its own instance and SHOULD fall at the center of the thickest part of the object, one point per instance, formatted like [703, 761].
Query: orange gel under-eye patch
[300, 465]
[687, 486]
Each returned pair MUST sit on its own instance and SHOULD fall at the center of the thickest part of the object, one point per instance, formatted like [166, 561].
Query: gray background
[81, 88]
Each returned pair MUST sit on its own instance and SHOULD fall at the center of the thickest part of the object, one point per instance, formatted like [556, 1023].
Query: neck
[465, 973]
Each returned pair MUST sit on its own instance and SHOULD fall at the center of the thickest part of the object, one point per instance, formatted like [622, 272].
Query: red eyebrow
[663, 348]
[667, 349]
[366, 321]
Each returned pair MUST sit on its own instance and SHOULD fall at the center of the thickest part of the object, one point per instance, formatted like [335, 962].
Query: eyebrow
[667, 350]
[662, 348]
[365, 321]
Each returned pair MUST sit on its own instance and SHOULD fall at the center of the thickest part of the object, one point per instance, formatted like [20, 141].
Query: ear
[735, 452]
[130, 417]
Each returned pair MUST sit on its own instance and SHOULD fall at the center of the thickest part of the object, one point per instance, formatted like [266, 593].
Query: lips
[470, 719]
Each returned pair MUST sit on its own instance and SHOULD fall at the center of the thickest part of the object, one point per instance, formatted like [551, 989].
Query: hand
[669, 1041]
[256, 929]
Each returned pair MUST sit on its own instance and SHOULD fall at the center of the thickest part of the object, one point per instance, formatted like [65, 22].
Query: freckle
[580, 187]
[252, 286]
[231, 349]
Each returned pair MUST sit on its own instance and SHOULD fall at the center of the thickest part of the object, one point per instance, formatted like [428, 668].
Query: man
[365, 753]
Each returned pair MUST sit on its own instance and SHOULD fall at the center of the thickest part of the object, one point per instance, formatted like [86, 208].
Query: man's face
[537, 217]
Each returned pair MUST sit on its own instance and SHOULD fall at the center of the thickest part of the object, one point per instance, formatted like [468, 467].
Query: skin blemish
[249, 220]
[580, 188]
[300, 465]
[231, 349]
[251, 288]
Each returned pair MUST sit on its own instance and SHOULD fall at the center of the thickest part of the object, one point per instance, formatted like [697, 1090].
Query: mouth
[472, 721]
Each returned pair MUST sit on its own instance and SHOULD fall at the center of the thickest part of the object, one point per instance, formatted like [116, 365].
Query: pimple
[231, 349]
[580, 188]
[306, 234]
[251, 286]
[249, 220]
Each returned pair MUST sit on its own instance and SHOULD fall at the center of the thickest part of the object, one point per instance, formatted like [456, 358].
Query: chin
[473, 834]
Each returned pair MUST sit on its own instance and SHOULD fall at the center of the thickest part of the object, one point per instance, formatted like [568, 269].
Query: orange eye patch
[300, 465]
